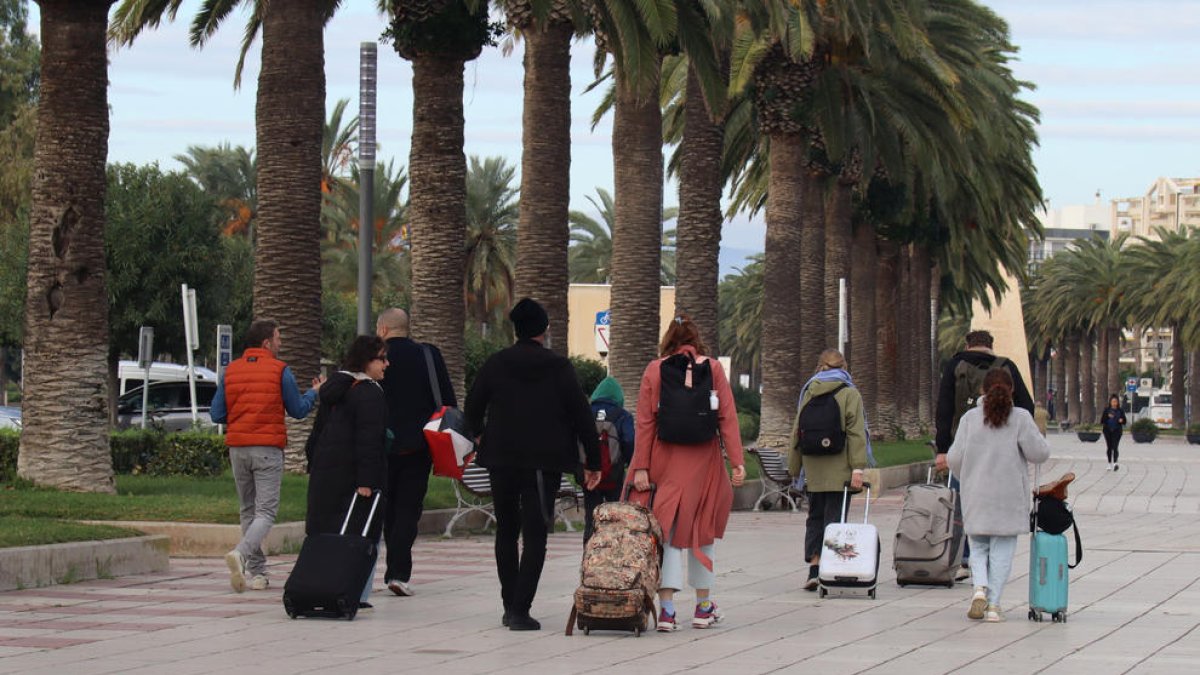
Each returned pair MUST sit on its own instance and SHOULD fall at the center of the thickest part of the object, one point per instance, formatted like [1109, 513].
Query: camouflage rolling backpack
[620, 571]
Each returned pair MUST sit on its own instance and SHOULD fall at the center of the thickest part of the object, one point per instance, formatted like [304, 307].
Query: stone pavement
[1134, 605]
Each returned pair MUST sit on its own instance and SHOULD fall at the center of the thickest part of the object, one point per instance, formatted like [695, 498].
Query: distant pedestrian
[1050, 404]
[408, 384]
[991, 453]
[694, 492]
[826, 473]
[614, 424]
[252, 397]
[347, 444]
[529, 415]
[1113, 420]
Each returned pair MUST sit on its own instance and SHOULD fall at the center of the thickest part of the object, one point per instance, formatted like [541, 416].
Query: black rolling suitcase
[331, 571]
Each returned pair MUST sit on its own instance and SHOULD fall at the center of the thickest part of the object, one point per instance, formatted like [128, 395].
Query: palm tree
[740, 324]
[547, 27]
[64, 440]
[438, 37]
[591, 250]
[390, 256]
[491, 250]
[289, 121]
[229, 174]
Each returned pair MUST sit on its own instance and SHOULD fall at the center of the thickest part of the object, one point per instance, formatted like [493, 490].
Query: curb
[34, 566]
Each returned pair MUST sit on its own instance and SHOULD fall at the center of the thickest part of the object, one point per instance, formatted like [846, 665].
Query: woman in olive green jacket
[825, 475]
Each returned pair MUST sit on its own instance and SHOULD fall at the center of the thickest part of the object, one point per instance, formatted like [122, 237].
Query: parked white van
[130, 376]
[1159, 409]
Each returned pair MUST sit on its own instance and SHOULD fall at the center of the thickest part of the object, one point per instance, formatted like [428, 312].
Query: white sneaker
[400, 588]
[237, 570]
[1109, 468]
[259, 582]
[978, 603]
[994, 614]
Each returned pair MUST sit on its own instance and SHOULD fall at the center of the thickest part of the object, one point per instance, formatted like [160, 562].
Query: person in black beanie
[529, 415]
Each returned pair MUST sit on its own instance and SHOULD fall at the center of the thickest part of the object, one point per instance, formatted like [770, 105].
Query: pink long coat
[694, 492]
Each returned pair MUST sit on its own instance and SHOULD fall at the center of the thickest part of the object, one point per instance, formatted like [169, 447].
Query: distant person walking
[1113, 420]
[993, 447]
[826, 473]
[347, 444]
[694, 492]
[252, 397]
[962, 379]
[529, 415]
[408, 386]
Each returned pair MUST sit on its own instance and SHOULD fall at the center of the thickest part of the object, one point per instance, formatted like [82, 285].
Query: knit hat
[529, 319]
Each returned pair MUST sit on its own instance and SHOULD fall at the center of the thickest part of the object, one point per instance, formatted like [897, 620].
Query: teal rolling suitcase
[1048, 576]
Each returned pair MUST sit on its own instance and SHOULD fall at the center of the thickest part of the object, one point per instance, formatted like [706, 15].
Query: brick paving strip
[1133, 608]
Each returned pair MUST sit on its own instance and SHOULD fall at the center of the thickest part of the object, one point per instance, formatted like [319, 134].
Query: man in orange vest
[252, 397]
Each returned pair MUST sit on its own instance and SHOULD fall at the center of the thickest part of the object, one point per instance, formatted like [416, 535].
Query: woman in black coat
[346, 448]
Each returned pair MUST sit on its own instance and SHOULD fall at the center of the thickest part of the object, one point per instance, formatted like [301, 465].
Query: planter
[1194, 439]
[1088, 436]
[1143, 437]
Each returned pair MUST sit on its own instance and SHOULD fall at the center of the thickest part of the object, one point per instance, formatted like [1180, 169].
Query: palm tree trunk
[637, 236]
[1194, 386]
[64, 440]
[289, 123]
[886, 275]
[1102, 388]
[784, 370]
[1114, 359]
[698, 234]
[839, 210]
[906, 349]
[1073, 397]
[923, 317]
[543, 232]
[437, 174]
[812, 267]
[1087, 379]
[862, 316]
[1058, 375]
[1178, 388]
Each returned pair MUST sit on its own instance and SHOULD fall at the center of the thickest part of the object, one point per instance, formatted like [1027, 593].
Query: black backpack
[685, 415]
[820, 427]
[968, 381]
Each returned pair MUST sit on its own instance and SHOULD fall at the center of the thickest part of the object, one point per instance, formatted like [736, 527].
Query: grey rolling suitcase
[929, 538]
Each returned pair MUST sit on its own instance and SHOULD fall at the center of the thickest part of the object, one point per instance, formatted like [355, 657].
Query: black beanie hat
[529, 319]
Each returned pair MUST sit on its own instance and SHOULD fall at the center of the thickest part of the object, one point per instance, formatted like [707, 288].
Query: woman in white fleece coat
[990, 455]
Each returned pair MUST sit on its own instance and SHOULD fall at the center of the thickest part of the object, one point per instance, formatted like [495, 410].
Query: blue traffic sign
[602, 318]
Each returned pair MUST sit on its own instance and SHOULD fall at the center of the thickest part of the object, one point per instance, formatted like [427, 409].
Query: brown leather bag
[1056, 489]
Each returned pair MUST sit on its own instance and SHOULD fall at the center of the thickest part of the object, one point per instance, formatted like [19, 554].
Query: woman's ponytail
[998, 397]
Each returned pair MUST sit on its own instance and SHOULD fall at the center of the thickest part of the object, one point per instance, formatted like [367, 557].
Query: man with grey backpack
[961, 384]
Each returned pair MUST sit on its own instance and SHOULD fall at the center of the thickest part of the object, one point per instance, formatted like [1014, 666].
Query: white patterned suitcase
[850, 555]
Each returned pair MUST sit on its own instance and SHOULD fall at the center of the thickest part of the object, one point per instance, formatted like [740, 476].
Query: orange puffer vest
[254, 400]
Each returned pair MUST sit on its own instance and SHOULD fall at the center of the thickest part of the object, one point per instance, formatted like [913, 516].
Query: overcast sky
[1117, 86]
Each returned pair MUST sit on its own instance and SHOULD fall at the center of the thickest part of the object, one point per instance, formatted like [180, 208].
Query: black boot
[522, 621]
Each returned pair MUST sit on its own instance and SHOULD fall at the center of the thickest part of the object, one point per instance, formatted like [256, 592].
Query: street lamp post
[366, 179]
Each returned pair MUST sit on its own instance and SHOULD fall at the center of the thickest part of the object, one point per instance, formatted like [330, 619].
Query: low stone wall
[33, 566]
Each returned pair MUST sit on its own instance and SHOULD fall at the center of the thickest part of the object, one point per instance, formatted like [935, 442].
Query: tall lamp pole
[366, 179]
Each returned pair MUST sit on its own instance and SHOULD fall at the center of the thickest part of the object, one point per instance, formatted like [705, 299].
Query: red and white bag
[450, 440]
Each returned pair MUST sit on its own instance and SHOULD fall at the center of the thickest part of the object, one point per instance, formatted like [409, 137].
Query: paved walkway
[1134, 606]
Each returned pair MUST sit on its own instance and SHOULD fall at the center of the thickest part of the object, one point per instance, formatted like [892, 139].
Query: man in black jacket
[409, 389]
[979, 354]
[536, 415]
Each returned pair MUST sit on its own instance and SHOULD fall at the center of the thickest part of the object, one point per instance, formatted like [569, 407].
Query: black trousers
[407, 481]
[823, 508]
[1112, 437]
[592, 499]
[521, 512]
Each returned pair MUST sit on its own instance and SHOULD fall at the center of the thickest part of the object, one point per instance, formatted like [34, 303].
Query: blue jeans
[954, 485]
[992, 563]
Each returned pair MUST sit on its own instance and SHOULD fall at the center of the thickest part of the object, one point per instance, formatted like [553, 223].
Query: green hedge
[135, 451]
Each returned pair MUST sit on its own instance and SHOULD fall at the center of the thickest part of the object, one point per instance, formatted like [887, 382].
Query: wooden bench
[473, 494]
[776, 483]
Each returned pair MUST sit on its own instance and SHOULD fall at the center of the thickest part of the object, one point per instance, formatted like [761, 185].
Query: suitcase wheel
[637, 631]
[821, 592]
[1035, 615]
[1059, 617]
[289, 607]
[587, 631]
[871, 594]
[347, 610]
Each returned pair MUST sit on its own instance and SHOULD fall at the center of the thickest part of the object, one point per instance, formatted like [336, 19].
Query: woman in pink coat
[694, 492]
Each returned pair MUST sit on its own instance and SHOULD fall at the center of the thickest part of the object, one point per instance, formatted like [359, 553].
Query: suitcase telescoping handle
[846, 497]
[350, 511]
[929, 477]
[629, 488]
